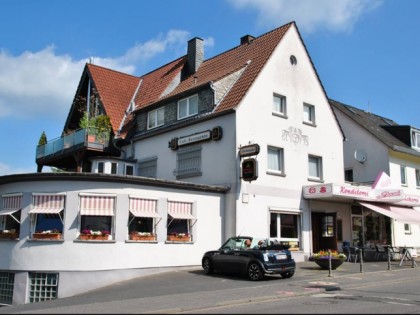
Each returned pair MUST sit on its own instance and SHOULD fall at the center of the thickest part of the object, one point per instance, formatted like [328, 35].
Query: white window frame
[417, 172]
[127, 166]
[415, 139]
[278, 213]
[315, 164]
[308, 114]
[156, 118]
[403, 173]
[275, 155]
[191, 108]
[279, 105]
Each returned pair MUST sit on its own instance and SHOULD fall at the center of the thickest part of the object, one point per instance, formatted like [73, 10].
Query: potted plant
[87, 234]
[9, 234]
[179, 237]
[98, 127]
[53, 234]
[142, 236]
[323, 256]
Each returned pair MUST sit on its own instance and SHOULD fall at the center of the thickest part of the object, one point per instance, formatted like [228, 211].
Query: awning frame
[11, 213]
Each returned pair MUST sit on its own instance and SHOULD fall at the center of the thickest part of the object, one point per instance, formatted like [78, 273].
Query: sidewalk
[308, 279]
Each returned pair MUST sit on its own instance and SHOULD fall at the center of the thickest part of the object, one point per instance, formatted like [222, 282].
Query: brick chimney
[247, 39]
[195, 54]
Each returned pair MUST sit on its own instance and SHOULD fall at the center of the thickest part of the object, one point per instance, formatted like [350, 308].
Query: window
[129, 169]
[47, 213]
[96, 213]
[293, 60]
[315, 167]
[418, 178]
[327, 226]
[7, 280]
[275, 160]
[348, 175]
[188, 107]
[114, 168]
[10, 215]
[279, 105]
[100, 167]
[415, 139]
[188, 161]
[180, 220]
[407, 228]
[156, 118]
[309, 114]
[148, 167]
[285, 226]
[42, 286]
[403, 175]
[143, 218]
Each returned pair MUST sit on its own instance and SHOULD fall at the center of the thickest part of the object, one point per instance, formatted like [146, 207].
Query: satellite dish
[360, 155]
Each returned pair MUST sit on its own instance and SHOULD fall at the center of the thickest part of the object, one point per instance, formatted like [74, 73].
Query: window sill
[317, 180]
[45, 240]
[275, 173]
[94, 241]
[308, 123]
[141, 241]
[277, 114]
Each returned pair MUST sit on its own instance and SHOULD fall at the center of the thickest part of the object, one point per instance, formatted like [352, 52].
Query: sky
[366, 53]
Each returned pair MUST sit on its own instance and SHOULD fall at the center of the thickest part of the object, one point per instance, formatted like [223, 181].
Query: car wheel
[207, 266]
[288, 274]
[254, 271]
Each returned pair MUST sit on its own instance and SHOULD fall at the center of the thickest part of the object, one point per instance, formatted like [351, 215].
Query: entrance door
[324, 231]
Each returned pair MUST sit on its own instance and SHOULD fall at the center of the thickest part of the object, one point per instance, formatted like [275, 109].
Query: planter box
[178, 238]
[324, 264]
[91, 237]
[9, 236]
[135, 237]
[46, 236]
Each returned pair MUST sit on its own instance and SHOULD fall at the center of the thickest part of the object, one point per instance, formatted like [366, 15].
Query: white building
[181, 139]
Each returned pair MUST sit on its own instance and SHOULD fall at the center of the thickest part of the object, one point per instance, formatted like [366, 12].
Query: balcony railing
[89, 138]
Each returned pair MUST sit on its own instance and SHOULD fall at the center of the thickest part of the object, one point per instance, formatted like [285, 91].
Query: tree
[42, 139]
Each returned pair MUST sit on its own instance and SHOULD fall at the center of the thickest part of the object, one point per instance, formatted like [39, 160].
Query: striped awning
[145, 208]
[97, 205]
[180, 210]
[11, 204]
[47, 203]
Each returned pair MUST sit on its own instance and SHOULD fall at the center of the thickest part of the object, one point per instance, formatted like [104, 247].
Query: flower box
[9, 235]
[46, 236]
[94, 237]
[324, 263]
[137, 237]
[175, 238]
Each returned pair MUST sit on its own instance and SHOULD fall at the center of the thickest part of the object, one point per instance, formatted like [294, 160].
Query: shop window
[143, 218]
[180, 221]
[286, 228]
[47, 213]
[10, 216]
[339, 230]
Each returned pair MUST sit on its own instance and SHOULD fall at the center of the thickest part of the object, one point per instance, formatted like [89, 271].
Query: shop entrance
[324, 231]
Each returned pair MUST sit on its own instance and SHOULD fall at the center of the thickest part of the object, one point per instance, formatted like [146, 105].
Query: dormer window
[156, 118]
[188, 107]
[415, 139]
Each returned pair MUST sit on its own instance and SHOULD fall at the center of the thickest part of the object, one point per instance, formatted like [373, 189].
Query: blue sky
[366, 52]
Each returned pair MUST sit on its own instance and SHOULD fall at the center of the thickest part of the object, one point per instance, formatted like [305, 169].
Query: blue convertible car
[254, 257]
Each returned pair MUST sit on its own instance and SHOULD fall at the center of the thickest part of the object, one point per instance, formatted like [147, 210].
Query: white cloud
[310, 15]
[35, 84]
[8, 170]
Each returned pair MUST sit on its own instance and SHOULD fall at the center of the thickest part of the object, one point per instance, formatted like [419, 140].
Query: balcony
[68, 151]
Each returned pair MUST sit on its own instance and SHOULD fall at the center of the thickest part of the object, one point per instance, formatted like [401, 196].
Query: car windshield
[245, 242]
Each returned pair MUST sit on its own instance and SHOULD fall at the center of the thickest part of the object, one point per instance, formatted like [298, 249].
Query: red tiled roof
[117, 89]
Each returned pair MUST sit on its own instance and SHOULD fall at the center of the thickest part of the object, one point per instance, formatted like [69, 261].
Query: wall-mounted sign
[248, 150]
[214, 134]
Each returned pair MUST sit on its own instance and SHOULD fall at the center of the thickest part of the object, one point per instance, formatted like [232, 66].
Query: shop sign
[248, 150]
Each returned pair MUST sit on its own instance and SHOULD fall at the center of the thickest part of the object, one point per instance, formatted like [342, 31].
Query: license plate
[281, 256]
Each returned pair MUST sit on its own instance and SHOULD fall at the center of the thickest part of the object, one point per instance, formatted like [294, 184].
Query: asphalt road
[189, 290]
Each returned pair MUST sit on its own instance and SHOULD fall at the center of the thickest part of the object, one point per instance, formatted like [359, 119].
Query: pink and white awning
[180, 210]
[11, 204]
[47, 203]
[146, 208]
[97, 205]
